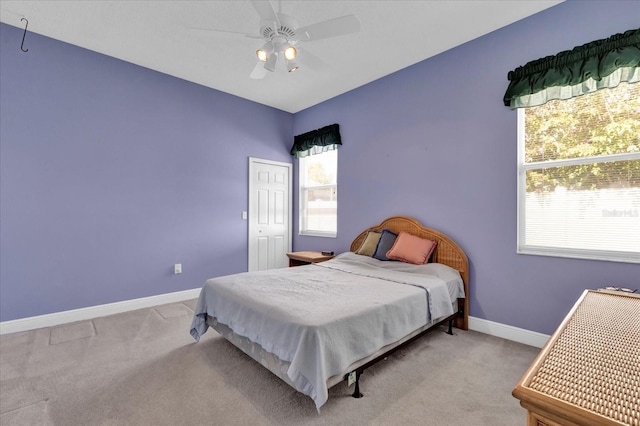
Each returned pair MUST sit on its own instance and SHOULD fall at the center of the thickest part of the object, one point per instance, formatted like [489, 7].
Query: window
[579, 176]
[318, 194]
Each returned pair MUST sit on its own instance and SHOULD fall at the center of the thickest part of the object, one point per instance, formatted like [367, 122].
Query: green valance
[584, 69]
[316, 141]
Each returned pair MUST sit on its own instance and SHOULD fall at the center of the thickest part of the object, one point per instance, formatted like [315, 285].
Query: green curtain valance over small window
[584, 69]
[316, 141]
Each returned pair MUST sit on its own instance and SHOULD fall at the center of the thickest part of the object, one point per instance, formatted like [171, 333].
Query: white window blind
[579, 176]
[319, 194]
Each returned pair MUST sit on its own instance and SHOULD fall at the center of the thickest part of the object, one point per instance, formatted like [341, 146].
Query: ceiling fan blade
[248, 35]
[258, 72]
[311, 61]
[332, 28]
[265, 11]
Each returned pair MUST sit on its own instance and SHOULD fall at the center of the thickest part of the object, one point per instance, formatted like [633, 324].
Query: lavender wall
[110, 173]
[435, 142]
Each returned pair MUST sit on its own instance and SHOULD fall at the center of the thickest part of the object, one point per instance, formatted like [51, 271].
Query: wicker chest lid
[589, 371]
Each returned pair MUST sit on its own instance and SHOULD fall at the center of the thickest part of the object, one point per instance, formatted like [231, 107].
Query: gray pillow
[387, 238]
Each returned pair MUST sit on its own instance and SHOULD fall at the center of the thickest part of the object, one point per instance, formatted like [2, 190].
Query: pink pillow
[411, 249]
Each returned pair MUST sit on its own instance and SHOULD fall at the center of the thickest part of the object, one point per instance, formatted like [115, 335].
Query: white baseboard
[57, 318]
[508, 332]
[504, 331]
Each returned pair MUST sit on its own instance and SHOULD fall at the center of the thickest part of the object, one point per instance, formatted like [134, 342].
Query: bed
[317, 325]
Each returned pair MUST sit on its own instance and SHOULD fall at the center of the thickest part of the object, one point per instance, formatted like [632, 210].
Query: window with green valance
[578, 154]
[316, 141]
[584, 69]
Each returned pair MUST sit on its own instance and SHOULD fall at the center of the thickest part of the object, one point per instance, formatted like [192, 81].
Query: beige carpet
[143, 368]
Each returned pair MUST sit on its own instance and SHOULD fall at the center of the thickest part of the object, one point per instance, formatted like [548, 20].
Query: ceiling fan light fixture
[270, 65]
[292, 66]
[262, 55]
[280, 33]
[264, 52]
[290, 53]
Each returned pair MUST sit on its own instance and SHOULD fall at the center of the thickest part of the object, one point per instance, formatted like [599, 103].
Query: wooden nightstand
[298, 258]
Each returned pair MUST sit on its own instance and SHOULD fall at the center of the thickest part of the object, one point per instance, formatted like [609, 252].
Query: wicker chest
[588, 373]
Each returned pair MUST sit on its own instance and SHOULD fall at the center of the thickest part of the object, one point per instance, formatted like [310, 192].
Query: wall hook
[23, 35]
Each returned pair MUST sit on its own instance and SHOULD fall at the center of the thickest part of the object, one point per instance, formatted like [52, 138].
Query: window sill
[317, 234]
[606, 256]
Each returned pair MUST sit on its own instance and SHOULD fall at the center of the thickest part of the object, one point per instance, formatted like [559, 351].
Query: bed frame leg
[450, 330]
[356, 391]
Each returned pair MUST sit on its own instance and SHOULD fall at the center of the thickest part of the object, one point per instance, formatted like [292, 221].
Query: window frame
[523, 167]
[302, 205]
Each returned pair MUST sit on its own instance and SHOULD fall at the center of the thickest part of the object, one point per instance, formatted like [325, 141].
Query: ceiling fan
[281, 33]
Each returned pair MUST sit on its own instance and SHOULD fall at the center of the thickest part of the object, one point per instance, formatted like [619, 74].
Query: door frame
[251, 212]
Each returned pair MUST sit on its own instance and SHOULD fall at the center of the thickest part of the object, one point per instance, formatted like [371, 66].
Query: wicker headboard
[447, 251]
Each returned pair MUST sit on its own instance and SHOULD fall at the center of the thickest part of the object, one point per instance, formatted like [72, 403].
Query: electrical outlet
[177, 268]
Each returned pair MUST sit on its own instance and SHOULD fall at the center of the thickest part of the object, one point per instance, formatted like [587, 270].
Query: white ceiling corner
[159, 34]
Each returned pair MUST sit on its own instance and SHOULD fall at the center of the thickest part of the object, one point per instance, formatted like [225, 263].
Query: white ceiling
[160, 35]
